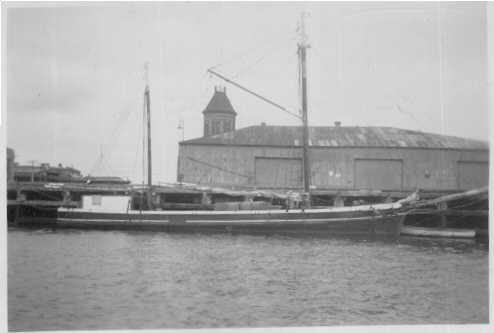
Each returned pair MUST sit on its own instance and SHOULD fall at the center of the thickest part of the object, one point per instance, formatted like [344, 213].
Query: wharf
[190, 196]
[433, 210]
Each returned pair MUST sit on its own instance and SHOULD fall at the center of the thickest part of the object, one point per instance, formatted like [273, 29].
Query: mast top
[303, 39]
[146, 75]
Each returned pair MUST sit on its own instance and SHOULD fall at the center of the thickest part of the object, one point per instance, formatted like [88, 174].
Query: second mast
[302, 57]
[147, 101]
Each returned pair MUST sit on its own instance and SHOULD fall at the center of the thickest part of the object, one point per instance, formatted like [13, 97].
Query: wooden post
[338, 201]
[443, 206]
[206, 198]
[17, 205]
[66, 197]
[157, 200]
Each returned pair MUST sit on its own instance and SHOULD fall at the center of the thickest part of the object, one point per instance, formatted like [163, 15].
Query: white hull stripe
[314, 220]
[286, 220]
[110, 220]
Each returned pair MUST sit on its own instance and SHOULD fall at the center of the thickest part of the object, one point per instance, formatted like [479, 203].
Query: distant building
[341, 158]
[10, 164]
[57, 174]
[46, 173]
[28, 173]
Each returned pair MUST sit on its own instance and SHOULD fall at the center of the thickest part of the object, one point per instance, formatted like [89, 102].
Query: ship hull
[321, 222]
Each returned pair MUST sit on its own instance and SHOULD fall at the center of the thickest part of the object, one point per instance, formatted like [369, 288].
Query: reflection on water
[113, 280]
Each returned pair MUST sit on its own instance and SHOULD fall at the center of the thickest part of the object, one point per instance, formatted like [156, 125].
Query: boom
[253, 93]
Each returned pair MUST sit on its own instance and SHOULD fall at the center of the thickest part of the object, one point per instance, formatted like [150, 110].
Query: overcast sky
[75, 77]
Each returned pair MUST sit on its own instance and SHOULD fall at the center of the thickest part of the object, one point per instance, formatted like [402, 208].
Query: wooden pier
[434, 211]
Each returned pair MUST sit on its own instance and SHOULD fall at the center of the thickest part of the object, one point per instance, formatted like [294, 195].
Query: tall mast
[302, 48]
[147, 100]
[148, 117]
[301, 51]
[440, 57]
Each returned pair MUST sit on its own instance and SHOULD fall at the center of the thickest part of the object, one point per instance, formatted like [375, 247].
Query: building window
[216, 126]
[228, 125]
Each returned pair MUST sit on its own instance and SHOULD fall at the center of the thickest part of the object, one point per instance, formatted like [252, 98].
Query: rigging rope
[138, 145]
[254, 93]
[260, 59]
[250, 51]
[121, 120]
[107, 166]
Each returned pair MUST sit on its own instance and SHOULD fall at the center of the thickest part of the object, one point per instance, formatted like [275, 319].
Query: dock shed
[341, 159]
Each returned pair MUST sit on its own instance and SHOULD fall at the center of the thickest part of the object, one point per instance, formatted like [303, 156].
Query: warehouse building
[341, 158]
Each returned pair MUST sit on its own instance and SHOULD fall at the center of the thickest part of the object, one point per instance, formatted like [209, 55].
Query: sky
[74, 73]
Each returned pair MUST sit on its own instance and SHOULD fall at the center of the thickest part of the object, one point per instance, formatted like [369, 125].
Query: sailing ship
[122, 211]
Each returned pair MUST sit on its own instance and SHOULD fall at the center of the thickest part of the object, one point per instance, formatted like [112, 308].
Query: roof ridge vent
[221, 89]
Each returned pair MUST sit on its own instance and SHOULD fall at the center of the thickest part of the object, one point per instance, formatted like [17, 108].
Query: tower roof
[219, 103]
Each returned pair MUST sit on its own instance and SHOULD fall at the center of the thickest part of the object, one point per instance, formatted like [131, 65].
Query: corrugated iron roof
[219, 103]
[285, 136]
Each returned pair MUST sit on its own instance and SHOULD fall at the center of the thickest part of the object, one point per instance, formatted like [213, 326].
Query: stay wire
[250, 51]
[122, 118]
[274, 50]
[138, 145]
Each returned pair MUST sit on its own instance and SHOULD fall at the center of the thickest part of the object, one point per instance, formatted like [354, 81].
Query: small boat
[437, 232]
[454, 206]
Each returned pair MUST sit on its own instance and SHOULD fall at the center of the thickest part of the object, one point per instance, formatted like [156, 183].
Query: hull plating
[296, 222]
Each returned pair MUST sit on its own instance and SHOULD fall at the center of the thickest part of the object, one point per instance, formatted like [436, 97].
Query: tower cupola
[219, 115]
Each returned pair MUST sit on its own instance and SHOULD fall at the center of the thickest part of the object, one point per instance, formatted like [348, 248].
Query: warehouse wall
[334, 168]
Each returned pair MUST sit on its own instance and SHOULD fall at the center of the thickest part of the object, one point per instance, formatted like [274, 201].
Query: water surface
[68, 279]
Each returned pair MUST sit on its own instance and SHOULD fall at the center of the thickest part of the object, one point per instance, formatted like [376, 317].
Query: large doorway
[379, 174]
[278, 172]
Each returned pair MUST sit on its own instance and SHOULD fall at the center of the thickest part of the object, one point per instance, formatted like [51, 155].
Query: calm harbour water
[68, 279]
